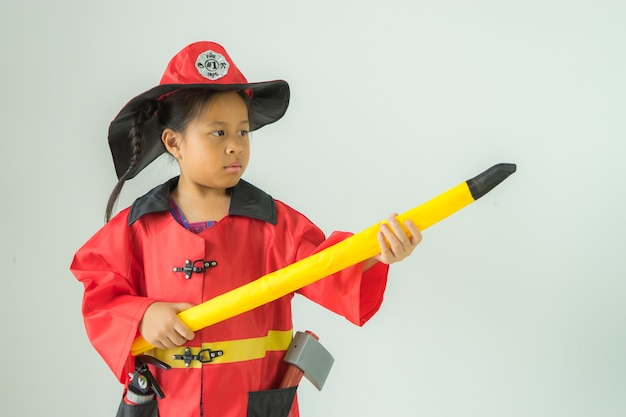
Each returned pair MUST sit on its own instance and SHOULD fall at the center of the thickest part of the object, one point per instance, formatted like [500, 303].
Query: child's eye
[243, 133]
[218, 133]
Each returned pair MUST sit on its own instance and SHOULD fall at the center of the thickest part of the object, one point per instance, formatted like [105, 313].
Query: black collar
[245, 200]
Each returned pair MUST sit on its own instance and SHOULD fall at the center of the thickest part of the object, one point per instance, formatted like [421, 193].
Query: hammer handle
[292, 377]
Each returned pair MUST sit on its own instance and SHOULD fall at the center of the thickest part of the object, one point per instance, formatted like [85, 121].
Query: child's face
[214, 149]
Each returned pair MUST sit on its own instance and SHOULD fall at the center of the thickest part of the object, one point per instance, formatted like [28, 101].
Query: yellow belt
[224, 352]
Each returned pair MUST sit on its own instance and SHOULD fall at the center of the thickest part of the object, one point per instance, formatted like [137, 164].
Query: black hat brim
[268, 103]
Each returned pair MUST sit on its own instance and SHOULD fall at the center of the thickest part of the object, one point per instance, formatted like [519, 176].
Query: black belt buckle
[203, 356]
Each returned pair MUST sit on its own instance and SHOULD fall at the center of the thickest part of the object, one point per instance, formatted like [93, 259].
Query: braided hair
[137, 140]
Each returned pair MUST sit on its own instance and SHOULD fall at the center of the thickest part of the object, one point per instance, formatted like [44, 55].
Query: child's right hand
[162, 328]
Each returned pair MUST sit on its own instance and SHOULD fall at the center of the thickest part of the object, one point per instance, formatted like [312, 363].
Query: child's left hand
[395, 244]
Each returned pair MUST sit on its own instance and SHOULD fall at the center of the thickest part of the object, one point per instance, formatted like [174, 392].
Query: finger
[158, 345]
[396, 245]
[399, 231]
[174, 340]
[416, 235]
[184, 331]
[168, 341]
[393, 250]
[385, 252]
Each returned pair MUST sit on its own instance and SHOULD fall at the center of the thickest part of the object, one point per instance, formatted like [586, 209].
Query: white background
[514, 306]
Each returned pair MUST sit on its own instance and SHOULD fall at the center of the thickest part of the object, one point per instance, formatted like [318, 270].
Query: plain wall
[514, 306]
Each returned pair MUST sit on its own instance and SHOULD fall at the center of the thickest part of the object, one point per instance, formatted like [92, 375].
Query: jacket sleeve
[352, 293]
[112, 307]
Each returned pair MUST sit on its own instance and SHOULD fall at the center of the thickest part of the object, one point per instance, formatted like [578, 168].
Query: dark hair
[175, 112]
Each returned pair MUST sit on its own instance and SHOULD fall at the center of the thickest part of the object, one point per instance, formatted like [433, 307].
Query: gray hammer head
[308, 354]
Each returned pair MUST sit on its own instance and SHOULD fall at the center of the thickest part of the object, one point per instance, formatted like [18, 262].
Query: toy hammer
[306, 357]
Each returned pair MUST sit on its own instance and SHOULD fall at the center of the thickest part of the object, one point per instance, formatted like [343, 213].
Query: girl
[202, 234]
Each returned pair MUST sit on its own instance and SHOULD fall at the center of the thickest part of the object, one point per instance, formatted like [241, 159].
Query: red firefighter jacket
[130, 263]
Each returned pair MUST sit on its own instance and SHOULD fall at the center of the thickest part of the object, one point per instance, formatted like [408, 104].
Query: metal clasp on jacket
[196, 266]
[204, 356]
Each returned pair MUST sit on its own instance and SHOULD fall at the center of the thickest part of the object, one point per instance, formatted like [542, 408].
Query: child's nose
[233, 146]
